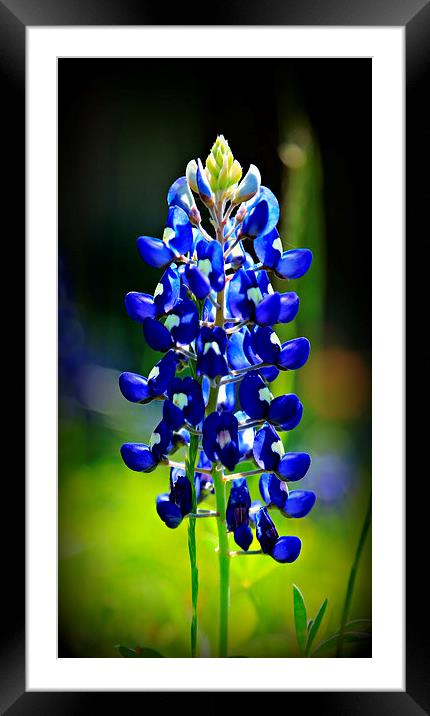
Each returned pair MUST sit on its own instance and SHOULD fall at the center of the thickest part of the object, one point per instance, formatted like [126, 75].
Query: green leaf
[300, 618]
[349, 636]
[310, 622]
[358, 624]
[316, 625]
[140, 652]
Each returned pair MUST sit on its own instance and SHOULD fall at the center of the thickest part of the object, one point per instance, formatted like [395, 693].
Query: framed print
[215, 470]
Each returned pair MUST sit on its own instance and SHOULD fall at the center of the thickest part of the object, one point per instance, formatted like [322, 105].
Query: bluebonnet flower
[221, 440]
[282, 549]
[180, 327]
[213, 314]
[204, 485]
[297, 503]
[246, 436]
[184, 404]
[285, 264]
[262, 346]
[144, 458]
[269, 454]
[250, 297]
[262, 215]
[207, 274]
[237, 514]
[211, 349]
[166, 295]
[180, 195]
[138, 389]
[177, 240]
[258, 402]
[174, 506]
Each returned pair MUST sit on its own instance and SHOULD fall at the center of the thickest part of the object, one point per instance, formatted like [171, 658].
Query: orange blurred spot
[336, 382]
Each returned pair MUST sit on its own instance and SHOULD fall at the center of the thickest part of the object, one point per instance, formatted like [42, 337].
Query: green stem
[224, 561]
[353, 575]
[220, 488]
[192, 547]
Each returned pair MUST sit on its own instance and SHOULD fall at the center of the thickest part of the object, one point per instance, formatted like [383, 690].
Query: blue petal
[203, 185]
[235, 354]
[226, 397]
[199, 283]
[163, 373]
[249, 186]
[217, 275]
[236, 256]
[294, 354]
[286, 411]
[268, 448]
[268, 310]
[182, 242]
[211, 364]
[266, 344]
[156, 335]
[256, 220]
[140, 306]
[138, 457]
[163, 442]
[289, 307]
[188, 327]
[168, 511]
[230, 455]
[254, 396]
[179, 440]
[195, 408]
[154, 252]
[211, 346]
[294, 263]
[243, 536]
[180, 491]
[299, 503]
[269, 249]
[180, 195]
[269, 373]
[173, 415]
[135, 388]
[293, 466]
[273, 490]
[266, 532]
[266, 195]
[238, 505]
[220, 439]
[286, 549]
[166, 294]
[246, 438]
[237, 295]
[255, 508]
[210, 445]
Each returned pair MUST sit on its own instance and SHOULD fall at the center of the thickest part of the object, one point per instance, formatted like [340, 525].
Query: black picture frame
[15, 16]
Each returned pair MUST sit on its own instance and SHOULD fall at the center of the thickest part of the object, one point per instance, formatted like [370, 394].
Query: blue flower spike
[213, 315]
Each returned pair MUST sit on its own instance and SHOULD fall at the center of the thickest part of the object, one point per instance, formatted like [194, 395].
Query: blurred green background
[127, 129]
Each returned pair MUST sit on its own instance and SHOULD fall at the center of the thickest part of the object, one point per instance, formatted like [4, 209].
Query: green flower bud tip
[223, 171]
